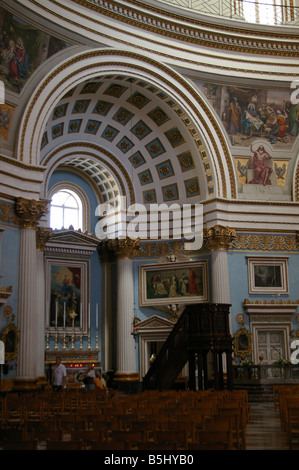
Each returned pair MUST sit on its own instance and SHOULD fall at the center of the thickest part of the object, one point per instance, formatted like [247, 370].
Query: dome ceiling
[138, 133]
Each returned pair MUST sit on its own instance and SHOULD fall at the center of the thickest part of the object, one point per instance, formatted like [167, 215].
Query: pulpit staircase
[201, 328]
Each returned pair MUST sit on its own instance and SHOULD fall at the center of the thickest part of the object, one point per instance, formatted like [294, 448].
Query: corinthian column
[43, 235]
[29, 213]
[218, 239]
[106, 317]
[125, 250]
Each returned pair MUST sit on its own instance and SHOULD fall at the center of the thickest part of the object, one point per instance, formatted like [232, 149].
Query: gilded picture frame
[174, 283]
[242, 342]
[10, 338]
[67, 287]
[268, 275]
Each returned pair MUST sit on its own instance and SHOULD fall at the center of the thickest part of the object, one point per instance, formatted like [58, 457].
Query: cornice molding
[197, 41]
[193, 31]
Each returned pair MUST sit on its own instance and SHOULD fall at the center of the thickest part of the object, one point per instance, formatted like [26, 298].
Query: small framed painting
[268, 275]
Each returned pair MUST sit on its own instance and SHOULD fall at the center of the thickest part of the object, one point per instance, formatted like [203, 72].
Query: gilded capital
[124, 248]
[43, 235]
[219, 237]
[104, 252]
[30, 211]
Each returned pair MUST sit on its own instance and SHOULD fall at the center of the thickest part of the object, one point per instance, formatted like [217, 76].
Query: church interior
[149, 195]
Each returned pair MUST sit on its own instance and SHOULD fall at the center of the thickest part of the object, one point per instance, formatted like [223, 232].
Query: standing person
[89, 378]
[100, 382]
[59, 375]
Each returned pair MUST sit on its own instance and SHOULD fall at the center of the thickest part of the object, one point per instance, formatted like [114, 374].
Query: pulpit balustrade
[200, 330]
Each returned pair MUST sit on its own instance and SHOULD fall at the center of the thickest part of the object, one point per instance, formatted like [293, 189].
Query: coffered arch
[153, 123]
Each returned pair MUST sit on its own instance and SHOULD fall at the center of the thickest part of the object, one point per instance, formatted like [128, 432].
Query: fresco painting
[23, 48]
[252, 113]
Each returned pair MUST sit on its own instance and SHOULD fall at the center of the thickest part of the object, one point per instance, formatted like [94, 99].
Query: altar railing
[266, 373]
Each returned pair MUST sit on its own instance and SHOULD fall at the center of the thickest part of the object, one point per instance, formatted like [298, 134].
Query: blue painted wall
[9, 272]
[95, 274]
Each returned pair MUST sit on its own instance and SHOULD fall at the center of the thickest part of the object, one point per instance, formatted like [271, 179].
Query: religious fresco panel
[254, 113]
[23, 48]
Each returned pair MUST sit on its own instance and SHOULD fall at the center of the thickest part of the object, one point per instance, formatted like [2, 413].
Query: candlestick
[56, 310]
[56, 339]
[64, 344]
[47, 337]
[73, 334]
[73, 315]
[88, 340]
[97, 320]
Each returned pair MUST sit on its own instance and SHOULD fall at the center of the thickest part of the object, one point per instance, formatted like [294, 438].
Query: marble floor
[264, 431]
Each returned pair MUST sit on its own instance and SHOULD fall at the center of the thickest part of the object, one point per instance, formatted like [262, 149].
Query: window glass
[65, 210]
[265, 12]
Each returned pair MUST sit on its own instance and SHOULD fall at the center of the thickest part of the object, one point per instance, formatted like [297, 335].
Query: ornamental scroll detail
[266, 242]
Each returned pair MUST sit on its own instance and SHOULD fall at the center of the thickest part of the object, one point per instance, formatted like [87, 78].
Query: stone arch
[94, 63]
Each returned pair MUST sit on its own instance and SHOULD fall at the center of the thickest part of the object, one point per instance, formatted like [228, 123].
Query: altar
[76, 363]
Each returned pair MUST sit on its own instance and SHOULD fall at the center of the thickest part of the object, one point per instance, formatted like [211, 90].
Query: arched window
[268, 11]
[66, 210]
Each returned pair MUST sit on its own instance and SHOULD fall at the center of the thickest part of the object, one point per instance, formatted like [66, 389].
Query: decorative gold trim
[43, 235]
[29, 212]
[126, 377]
[219, 237]
[7, 213]
[5, 292]
[242, 342]
[25, 385]
[10, 338]
[124, 248]
[266, 242]
[84, 357]
[214, 39]
[267, 303]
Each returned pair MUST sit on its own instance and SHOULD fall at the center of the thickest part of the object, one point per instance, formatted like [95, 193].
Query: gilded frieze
[7, 213]
[196, 31]
[262, 242]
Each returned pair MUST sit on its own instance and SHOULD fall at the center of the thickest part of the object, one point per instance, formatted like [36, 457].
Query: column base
[126, 377]
[42, 382]
[25, 385]
[127, 382]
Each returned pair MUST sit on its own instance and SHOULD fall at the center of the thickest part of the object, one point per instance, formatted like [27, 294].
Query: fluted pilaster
[106, 320]
[126, 359]
[28, 212]
[219, 239]
[43, 235]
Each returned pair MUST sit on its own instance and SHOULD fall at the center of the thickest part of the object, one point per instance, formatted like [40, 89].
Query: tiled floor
[264, 431]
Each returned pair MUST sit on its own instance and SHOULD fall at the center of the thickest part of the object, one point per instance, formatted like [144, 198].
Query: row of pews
[105, 420]
[286, 401]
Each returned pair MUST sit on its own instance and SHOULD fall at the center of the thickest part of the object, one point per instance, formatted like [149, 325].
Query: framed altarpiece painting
[66, 302]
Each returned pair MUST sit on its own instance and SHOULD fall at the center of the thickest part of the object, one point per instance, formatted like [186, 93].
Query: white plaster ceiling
[138, 133]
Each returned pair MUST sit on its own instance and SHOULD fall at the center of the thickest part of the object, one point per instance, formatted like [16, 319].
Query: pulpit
[202, 329]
